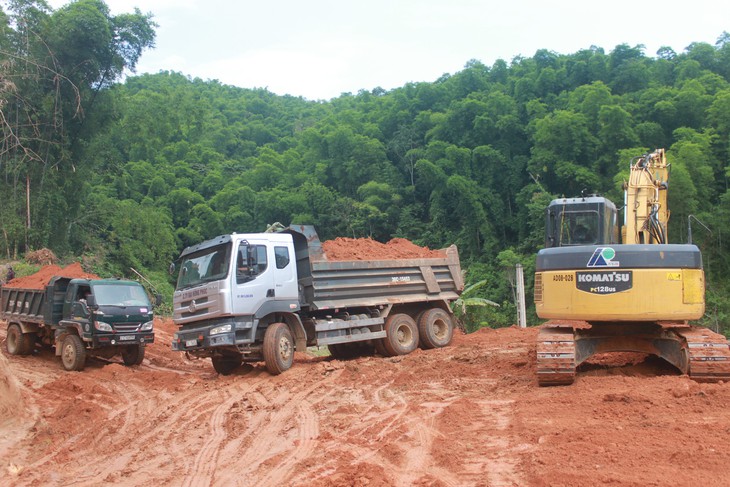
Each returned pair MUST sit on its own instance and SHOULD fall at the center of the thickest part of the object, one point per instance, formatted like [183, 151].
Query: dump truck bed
[341, 284]
[18, 304]
[34, 305]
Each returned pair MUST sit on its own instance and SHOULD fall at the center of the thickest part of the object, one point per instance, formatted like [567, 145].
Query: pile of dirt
[343, 248]
[41, 257]
[40, 279]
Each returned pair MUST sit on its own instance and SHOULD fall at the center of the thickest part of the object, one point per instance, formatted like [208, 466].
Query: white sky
[320, 49]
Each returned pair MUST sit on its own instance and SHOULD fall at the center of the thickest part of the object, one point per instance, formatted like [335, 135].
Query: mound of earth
[343, 248]
[40, 279]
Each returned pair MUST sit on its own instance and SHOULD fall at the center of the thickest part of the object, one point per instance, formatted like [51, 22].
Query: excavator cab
[589, 220]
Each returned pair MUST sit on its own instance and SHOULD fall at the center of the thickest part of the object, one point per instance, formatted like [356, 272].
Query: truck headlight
[147, 326]
[220, 329]
[101, 326]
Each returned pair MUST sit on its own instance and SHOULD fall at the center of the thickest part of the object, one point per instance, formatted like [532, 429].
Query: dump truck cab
[107, 311]
[237, 275]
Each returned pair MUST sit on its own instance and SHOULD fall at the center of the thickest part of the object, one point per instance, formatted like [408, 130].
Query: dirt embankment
[469, 414]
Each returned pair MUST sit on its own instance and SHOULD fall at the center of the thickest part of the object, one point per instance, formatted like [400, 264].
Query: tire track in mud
[192, 430]
[307, 432]
[383, 426]
[496, 456]
[206, 462]
[419, 461]
[122, 417]
[409, 427]
[126, 403]
[282, 429]
[121, 414]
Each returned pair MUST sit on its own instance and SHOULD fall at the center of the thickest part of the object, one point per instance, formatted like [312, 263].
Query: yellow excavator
[605, 289]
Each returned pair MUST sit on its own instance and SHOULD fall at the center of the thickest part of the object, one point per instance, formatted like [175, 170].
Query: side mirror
[91, 302]
[171, 269]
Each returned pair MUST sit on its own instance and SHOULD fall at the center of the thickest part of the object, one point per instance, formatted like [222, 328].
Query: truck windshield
[120, 295]
[206, 265]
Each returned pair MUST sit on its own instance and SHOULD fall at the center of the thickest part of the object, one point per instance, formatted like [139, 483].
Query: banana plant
[464, 301]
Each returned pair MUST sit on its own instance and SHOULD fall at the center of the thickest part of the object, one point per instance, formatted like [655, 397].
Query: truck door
[264, 272]
[285, 277]
[253, 279]
[74, 302]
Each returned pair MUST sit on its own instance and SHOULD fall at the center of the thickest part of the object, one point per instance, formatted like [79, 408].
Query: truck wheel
[346, 351]
[17, 342]
[225, 364]
[338, 351]
[278, 348]
[73, 353]
[402, 335]
[435, 328]
[133, 354]
[380, 347]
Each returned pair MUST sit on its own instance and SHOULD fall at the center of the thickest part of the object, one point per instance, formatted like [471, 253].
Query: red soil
[367, 249]
[40, 279]
[470, 414]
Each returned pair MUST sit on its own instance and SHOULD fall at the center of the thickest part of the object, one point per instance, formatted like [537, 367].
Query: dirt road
[467, 415]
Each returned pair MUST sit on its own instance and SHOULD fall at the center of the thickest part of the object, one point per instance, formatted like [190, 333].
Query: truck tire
[133, 354]
[278, 348]
[402, 335]
[435, 328]
[380, 347]
[225, 364]
[73, 353]
[346, 351]
[17, 342]
[338, 351]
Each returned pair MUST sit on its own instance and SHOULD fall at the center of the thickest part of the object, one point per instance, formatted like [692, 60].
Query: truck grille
[126, 327]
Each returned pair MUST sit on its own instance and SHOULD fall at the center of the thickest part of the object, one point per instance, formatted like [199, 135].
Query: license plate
[191, 343]
[126, 337]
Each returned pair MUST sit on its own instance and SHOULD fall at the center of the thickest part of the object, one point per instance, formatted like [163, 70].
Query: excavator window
[579, 228]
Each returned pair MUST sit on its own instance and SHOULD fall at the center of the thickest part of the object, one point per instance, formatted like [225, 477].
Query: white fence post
[521, 310]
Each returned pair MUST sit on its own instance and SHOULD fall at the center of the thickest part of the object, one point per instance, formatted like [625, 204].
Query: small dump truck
[259, 297]
[79, 317]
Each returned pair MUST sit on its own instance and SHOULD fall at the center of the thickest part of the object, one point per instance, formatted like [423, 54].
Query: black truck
[79, 317]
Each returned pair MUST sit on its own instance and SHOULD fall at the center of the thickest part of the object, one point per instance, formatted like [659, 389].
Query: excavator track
[700, 353]
[555, 356]
[709, 355]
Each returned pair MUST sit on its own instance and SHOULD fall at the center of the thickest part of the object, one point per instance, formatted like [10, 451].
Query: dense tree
[472, 158]
[53, 65]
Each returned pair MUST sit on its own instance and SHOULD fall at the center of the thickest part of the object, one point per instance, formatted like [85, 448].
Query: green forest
[122, 171]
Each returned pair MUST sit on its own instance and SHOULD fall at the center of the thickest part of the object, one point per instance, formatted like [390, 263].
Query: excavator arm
[646, 212]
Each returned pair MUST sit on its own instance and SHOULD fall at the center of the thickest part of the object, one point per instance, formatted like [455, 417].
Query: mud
[470, 414]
